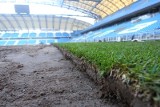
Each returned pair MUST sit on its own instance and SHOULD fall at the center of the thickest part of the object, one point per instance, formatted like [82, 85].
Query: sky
[45, 9]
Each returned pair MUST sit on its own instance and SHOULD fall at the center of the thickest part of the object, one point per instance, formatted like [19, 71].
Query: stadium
[64, 53]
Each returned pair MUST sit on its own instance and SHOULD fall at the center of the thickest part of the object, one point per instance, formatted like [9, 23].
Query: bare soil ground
[39, 76]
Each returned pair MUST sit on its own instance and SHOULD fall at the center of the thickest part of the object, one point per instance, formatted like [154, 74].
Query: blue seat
[65, 34]
[10, 35]
[58, 34]
[2, 42]
[14, 35]
[24, 35]
[50, 35]
[42, 41]
[6, 35]
[32, 35]
[31, 42]
[43, 35]
[22, 42]
[63, 40]
[11, 42]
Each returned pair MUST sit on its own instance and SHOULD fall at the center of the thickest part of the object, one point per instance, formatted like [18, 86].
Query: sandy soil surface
[39, 76]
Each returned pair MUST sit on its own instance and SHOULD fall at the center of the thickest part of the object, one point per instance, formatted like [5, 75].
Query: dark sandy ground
[39, 76]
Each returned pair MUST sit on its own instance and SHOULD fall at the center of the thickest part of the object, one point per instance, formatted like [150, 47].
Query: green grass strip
[139, 61]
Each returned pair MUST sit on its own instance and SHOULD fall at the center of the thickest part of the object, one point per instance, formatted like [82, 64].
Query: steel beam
[60, 21]
[66, 24]
[33, 26]
[14, 17]
[95, 7]
[123, 2]
[90, 14]
[46, 20]
[10, 23]
[39, 22]
[1, 22]
[25, 22]
[72, 24]
[113, 4]
[53, 22]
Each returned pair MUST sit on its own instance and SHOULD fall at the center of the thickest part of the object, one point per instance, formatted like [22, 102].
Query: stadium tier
[142, 28]
[132, 10]
[32, 41]
[10, 35]
[9, 39]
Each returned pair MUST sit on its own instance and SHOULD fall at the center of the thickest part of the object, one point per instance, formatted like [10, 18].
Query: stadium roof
[96, 9]
[40, 22]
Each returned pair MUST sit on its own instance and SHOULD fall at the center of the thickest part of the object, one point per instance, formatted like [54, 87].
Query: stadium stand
[128, 11]
[120, 22]
[33, 38]
[125, 31]
[10, 35]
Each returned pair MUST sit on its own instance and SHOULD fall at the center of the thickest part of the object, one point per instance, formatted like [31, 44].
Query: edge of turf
[111, 87]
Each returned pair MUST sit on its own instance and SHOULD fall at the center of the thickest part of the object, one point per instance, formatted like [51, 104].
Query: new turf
[138, 62]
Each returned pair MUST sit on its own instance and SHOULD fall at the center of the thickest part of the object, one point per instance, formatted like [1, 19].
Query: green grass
[138, 62]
